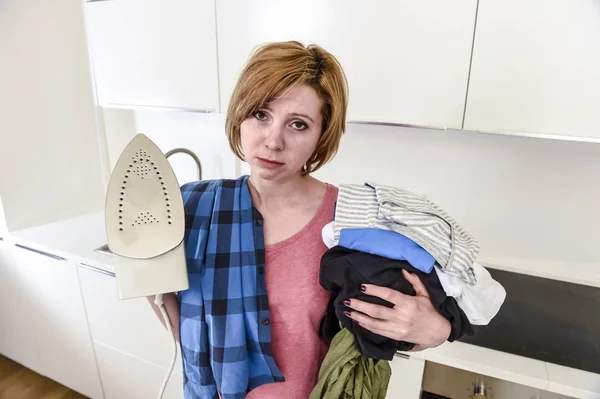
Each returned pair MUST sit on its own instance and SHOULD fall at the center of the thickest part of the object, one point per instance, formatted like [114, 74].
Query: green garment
[346, 374]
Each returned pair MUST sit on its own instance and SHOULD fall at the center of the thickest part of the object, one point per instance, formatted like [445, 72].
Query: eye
[299, 125]
[260, 115]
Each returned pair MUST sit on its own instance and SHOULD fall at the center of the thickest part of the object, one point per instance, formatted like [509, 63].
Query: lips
[268, 163]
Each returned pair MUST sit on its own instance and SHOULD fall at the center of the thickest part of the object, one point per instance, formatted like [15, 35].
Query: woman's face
[278, 139]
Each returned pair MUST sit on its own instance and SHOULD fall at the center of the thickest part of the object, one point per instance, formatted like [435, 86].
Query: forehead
[302, 99]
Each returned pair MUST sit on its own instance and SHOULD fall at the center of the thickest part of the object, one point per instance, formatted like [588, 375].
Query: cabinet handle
[141, 107]
[96, 269]
[402, 355]
[396, 124]
[37, 251]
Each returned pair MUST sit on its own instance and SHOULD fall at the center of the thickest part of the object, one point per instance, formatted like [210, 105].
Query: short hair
[276, 67]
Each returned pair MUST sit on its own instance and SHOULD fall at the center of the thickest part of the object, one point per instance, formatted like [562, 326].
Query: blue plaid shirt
[224, 315]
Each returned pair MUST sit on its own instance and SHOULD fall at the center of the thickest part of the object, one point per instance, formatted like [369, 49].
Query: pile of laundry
[378, 231]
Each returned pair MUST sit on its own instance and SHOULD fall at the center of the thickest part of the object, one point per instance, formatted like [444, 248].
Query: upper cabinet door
[536, 68]
[157, 53]
[406, 61]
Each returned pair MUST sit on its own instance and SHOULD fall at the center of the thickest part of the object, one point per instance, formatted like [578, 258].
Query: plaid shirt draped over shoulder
[224, 315]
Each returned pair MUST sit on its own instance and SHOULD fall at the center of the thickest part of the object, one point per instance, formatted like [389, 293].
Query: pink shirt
[297, 304]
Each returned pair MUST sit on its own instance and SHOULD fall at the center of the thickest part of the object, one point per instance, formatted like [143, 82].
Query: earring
[304, 168]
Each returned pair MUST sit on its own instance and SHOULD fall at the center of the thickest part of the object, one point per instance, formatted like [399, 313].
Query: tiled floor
[18, 382]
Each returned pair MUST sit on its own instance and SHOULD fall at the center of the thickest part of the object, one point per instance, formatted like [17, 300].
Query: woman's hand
[412, 319]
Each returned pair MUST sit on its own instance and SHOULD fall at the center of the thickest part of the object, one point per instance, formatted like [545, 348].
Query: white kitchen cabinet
[155, 53]
[125, 376]
[19, 311]
[6, 282]
[6, 279]
[128, 325]
[536, 68]
[406, 61]
[407, 378]
[54, 325]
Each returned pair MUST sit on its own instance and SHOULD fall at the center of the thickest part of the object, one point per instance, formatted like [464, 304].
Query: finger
[416, 282]
[390, 295]
[384, 333]
[371, 309]
[369, 322]
[395, 334]
[380, 327]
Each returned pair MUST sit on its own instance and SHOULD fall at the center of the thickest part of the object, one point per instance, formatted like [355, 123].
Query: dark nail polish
[347, 313]
[363, 288]
[347, 302]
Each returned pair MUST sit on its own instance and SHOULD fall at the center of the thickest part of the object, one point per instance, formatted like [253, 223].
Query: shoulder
[201, 187]
[199, 195]
[331, 192]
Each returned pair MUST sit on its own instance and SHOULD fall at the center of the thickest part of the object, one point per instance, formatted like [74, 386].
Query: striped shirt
[224, 315]
[390, 208]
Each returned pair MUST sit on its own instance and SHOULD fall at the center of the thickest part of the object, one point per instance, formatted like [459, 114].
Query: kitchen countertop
[76, 238]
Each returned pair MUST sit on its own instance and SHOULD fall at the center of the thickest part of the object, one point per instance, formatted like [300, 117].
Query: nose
[274, 139]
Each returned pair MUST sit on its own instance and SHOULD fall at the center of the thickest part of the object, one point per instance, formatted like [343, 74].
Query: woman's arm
[172, 309]
[412, 319]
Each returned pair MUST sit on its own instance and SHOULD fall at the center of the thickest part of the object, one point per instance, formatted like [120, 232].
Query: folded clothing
[344, 270]
[413, 216]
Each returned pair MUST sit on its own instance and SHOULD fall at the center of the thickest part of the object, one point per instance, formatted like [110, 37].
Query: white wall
[526, 200]
[49, 154]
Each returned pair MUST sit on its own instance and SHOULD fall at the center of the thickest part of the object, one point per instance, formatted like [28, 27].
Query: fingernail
[347, 313]
[355, 321]
[363, 288]
[347, 302]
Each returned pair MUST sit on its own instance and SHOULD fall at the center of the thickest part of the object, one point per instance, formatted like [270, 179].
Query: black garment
[344, 270]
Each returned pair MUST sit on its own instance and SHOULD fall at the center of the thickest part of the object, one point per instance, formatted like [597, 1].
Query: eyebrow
[294, 114]
[303, 115]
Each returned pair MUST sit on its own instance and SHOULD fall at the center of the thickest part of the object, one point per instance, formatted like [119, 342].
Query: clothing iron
[145, 222]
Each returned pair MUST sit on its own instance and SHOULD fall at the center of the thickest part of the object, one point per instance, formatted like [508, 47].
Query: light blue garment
[388, 244]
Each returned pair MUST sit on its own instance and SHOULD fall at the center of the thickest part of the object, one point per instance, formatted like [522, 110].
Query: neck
[268, 193]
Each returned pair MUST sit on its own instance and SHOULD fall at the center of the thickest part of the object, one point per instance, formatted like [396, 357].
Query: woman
[285, 118]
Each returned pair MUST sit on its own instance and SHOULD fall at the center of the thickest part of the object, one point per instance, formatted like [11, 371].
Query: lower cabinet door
[127, 377]
[57, 325]
[128, 325]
